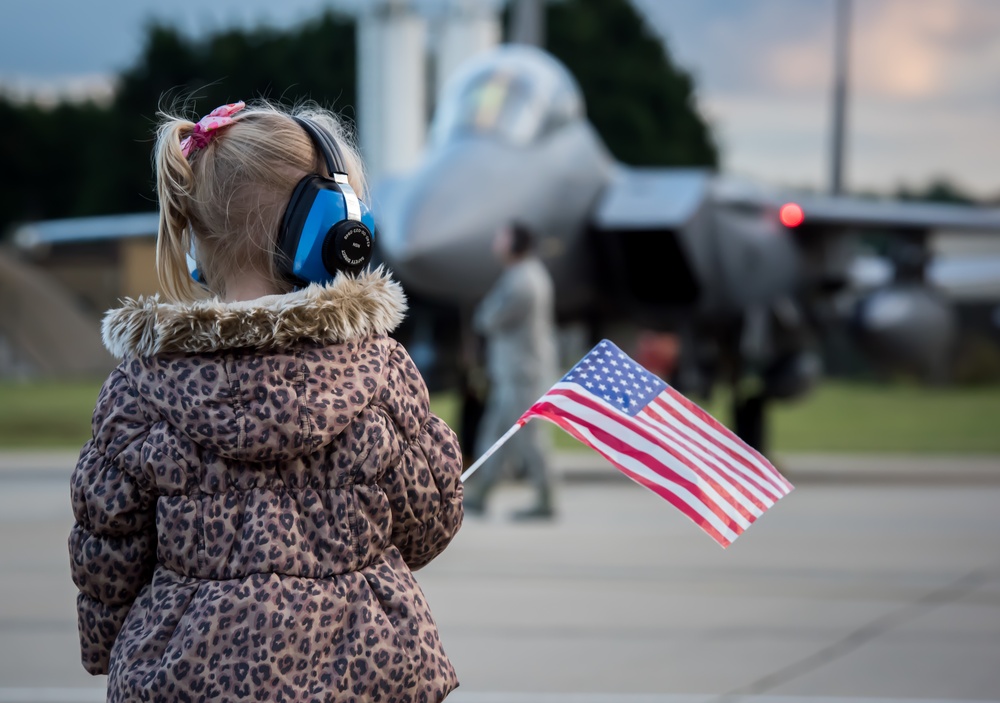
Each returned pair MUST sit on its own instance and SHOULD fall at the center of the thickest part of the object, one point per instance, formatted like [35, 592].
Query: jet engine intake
[907, 326]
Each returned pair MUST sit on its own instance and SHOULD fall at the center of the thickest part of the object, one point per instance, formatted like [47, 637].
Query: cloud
[925, 49]
[906, 49]
[786, 142]
[736, 46]
[924, 86]
[43, 38]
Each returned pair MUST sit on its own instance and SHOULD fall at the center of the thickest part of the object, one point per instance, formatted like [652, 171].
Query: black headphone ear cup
[347, 247]
[292, 222]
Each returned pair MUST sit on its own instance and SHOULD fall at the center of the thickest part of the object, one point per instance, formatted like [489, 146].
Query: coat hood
[348, 308]
[267, 379]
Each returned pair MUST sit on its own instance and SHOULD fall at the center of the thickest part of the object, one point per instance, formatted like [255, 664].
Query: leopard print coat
[262, 481]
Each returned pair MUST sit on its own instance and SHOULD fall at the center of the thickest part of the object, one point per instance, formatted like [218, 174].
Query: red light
[791, 215]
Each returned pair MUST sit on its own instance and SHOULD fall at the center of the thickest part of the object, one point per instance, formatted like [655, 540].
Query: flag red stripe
[652, 436]
[697, 464]
[568, 422]
[650, 462]
[735, 460]
[717, 435]
[766, 493]
[696, 453]
[760, 466]
[588, 401]
[748, 457]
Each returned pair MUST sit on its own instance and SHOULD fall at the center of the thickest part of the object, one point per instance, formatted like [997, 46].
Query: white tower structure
[392, 86]
[467, 28]
[393, 90]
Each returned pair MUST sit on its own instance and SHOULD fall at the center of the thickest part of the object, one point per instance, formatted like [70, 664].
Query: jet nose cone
[436, 227]
[454, 265]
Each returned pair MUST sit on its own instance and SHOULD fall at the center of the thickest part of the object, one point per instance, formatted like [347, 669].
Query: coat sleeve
[423, 486]
[112, 546]
[503, 307]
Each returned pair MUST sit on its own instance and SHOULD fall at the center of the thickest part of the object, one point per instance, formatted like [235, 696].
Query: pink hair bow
[218, 118]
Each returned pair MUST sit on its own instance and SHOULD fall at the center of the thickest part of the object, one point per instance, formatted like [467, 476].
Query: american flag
[663, 441]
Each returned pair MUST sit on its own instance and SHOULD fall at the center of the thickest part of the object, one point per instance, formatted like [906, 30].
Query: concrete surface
[851, 588]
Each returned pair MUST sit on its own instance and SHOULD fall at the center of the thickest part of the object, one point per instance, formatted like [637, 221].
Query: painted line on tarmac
[93, 695]
[868, 632]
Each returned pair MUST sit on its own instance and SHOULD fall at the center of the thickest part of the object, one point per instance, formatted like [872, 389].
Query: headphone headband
[326, 145]
[325, 228]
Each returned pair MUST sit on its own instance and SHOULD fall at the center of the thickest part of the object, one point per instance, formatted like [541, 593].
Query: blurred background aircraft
[748, 282]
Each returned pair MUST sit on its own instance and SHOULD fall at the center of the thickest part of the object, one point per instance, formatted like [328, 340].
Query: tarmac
[877, 581]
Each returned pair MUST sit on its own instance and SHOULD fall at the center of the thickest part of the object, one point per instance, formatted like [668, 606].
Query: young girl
[265, 473]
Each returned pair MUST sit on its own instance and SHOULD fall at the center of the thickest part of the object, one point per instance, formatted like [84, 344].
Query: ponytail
[174, 188]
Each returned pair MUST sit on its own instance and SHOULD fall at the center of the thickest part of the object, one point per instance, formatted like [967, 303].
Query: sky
[924, 75]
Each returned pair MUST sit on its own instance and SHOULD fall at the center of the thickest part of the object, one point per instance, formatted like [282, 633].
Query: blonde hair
[228, 198]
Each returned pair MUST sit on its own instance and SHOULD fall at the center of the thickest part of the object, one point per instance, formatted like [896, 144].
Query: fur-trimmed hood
[347, 308]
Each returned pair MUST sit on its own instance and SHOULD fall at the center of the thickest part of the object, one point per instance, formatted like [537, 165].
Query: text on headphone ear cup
[348, 246]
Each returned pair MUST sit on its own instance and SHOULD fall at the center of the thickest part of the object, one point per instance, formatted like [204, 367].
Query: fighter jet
[749, 279]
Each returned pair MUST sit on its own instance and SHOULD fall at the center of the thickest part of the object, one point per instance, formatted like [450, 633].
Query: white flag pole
[489, 452]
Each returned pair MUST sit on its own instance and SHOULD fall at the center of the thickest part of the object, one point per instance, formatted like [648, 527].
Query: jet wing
[667, 198]
[829, 212]
[651, 198]
[83, 229]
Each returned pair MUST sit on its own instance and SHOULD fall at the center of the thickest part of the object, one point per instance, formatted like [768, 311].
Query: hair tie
[202, 134]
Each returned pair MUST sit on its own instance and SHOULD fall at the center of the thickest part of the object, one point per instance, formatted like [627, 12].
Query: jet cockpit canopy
[515, 93]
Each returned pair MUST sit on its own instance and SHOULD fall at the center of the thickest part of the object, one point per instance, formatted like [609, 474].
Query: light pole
[841, 42]
[527, 22]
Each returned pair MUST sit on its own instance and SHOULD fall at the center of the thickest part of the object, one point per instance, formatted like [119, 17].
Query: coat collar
[347, 308]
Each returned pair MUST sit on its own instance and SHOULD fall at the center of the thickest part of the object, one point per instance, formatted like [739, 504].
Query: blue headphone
[326, 228]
